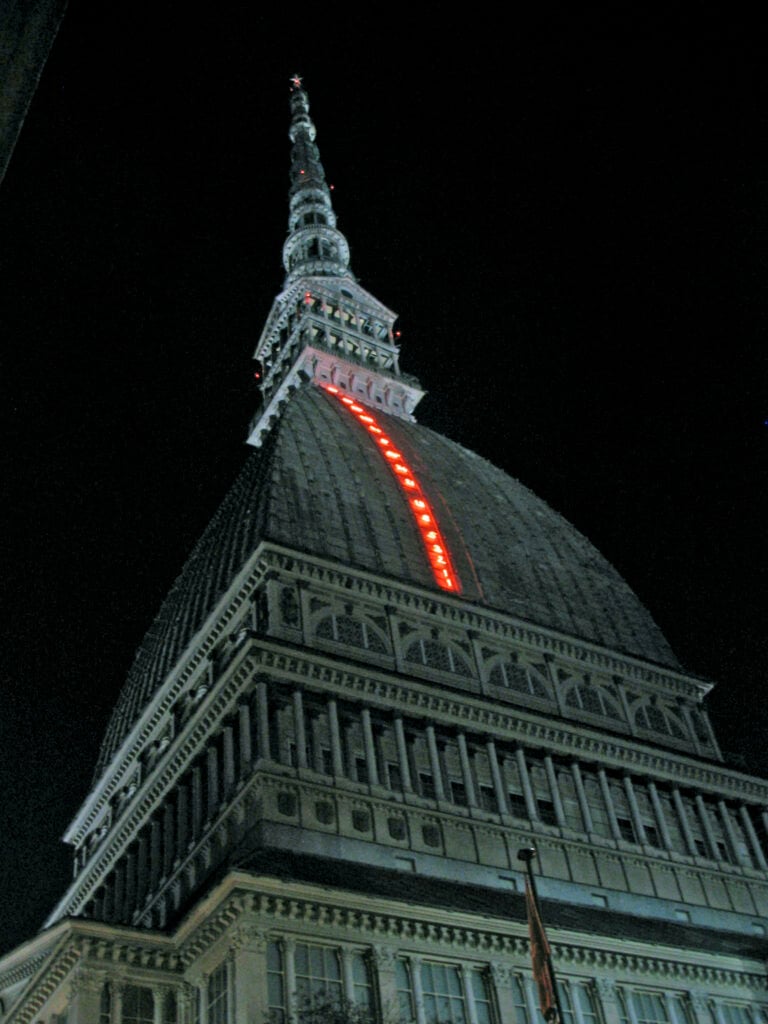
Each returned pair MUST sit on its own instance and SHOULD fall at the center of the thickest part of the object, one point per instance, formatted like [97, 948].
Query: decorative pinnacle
[314, 247]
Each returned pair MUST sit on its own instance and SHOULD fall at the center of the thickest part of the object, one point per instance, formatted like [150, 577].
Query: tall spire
[323, 326]
[314, 245]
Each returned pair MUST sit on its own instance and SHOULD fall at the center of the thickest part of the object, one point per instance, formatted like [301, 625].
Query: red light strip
[424, 517]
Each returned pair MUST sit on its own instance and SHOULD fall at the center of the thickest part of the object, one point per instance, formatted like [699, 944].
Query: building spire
[314, 245]
[324, 327]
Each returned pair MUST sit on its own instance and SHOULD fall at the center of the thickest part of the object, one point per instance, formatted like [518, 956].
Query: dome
[319, 485]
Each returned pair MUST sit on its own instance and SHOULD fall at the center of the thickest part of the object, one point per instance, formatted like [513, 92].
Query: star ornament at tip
[295, 81]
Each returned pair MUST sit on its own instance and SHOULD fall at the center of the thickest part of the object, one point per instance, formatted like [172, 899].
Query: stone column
[212, 769]
[661, 821]
[228, 760]
[531, 1000]
[202, 999]
[605, 789]
[370, 748]
[155, 853]
[383, 962]
[608, 998]
[754, 842]
[733, 840]
[555, 791]
[244, 739]
[501, 976]
[262, 714]
[85, 996]
[289, 969]
[707, 826]
[581, 796]
[299, 729]
[347, 975]
[634, 810]
[117, 1002]
[434, 760]
[700, 1007]
[498, 785]
[418, 991]
[197, 802]
[337, 756]
[182, 818]
[469, 995]
[130, 885]
[525, 782]
[118, 894]
[316, 744]
[402, 755]
[466, 770]
[158, 998]
[249, 969]
[686, 828]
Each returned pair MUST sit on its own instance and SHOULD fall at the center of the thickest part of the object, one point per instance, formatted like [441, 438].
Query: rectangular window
[577, 1002]
[458, 793]
[362, 994]
[652, 835]
[320, 984]
[394, 777]
[406, 1008]
[518, 998]
[487, 797]
[546, 811]
[427, 785]
[736, 1013]
[481, 996]
[361, 769]
[218, 996]
[318, 974]
[517, 806]
[275, 983]
[443, 994]
[648, 1007]
[626, 829]
[138, 1005]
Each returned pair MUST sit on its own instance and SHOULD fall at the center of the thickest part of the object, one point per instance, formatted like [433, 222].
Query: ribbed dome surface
[319, 485]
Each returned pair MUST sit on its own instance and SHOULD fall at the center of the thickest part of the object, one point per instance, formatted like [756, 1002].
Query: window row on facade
[302, 979]
[457, 770]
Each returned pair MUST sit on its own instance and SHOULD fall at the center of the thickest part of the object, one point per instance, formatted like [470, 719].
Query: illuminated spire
[314, 245]
[323, 326]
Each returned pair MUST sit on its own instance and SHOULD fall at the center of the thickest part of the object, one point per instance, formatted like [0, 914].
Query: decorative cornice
[155, 714]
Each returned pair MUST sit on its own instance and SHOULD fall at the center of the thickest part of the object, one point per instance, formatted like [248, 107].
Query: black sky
[571, 218]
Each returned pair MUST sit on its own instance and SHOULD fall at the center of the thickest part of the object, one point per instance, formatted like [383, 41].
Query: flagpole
[527, 855]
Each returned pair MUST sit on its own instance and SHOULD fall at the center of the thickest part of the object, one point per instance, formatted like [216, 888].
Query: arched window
[509, 675]
[593, 699]
[659, 719]
[345, 629]
[439, 656]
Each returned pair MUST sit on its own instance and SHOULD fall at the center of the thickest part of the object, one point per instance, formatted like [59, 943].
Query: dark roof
[493, 903]
[318, 485]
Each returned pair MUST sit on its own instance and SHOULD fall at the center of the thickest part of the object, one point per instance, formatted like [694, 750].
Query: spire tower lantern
[323, 326]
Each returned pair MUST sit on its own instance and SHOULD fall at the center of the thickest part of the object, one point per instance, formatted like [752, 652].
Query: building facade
[385, 669]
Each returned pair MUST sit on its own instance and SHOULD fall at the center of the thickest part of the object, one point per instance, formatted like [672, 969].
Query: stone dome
[318, 485]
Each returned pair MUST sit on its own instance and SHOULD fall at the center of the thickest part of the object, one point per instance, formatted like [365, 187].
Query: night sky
[571, 218]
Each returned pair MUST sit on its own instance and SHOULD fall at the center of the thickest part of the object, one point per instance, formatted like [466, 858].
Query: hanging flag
[543, 974]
